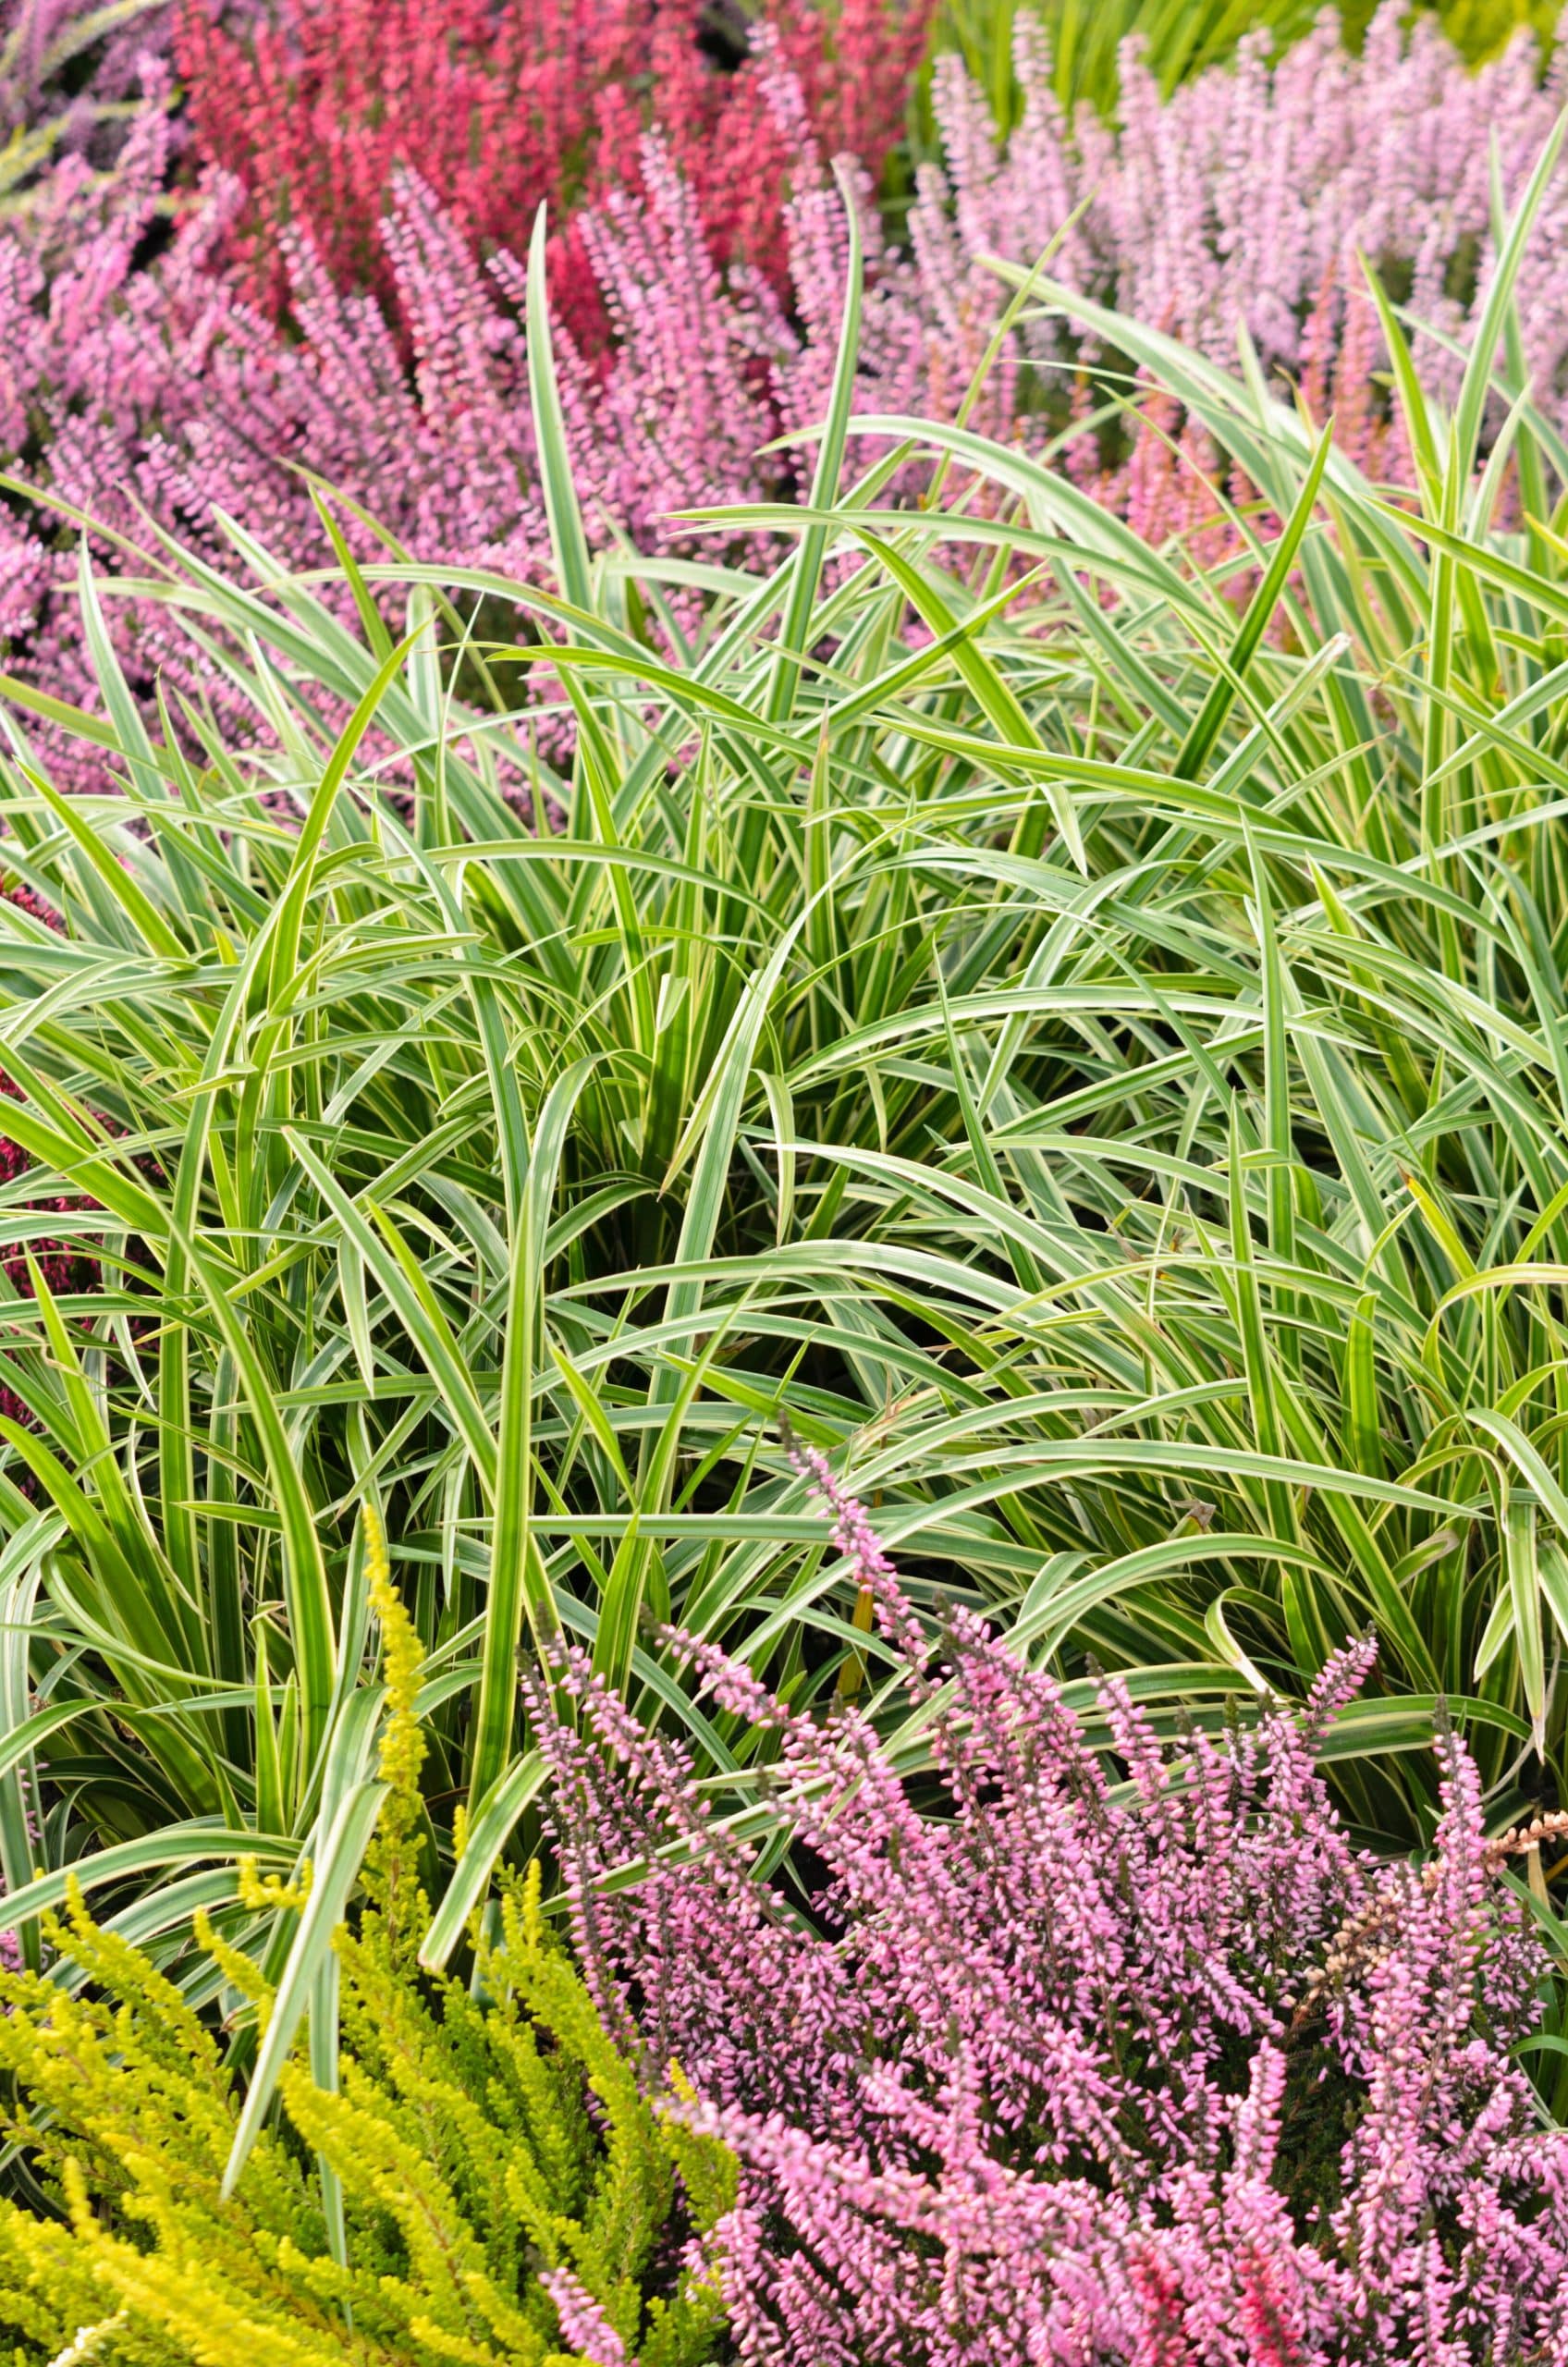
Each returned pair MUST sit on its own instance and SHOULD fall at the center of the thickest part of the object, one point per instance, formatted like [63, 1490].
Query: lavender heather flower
[1246, 199]
[1137, 2066]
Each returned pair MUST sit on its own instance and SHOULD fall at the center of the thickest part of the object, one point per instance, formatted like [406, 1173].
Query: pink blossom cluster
[1249, 197]
[139, 385]
[161, 395]
[1031, 2064]
[498, 106]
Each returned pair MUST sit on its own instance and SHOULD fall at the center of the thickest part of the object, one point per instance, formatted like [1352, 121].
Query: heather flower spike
[1053, 2069]
[698, 287]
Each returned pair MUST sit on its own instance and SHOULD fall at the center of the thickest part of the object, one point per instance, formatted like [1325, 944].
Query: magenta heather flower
[1066, 2063]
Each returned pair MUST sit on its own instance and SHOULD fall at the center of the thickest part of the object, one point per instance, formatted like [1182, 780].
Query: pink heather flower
[857, 1540]
[1242, 202]
[583, 2323]
[1052, 2065]
[135, 389]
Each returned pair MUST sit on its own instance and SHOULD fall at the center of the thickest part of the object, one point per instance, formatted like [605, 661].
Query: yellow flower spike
[391, 1863]
[402, 1744]
[258, 1891]
[239, 1970]
[77, 2204]
[532, 1917]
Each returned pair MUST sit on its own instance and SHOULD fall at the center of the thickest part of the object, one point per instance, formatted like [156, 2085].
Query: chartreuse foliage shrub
[477, 2180]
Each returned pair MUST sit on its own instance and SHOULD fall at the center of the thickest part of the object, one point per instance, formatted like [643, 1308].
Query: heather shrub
[143, 389]
[1041, 2065]
[459, 2174]
[1245, 203]
[318, 105]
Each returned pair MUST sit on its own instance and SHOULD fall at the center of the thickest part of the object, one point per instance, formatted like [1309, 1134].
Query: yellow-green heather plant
[482, 2183]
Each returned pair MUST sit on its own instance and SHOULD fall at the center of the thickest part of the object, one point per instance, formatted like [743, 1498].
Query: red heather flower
[1057, 2070]
[500, 106]
[315, 107]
